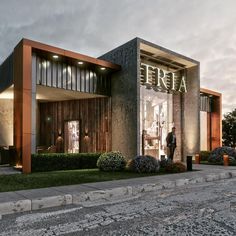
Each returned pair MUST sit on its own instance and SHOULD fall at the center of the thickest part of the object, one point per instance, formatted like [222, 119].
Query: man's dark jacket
[169, 139]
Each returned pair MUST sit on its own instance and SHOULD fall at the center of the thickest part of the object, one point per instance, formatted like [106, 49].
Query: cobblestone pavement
[202, 209]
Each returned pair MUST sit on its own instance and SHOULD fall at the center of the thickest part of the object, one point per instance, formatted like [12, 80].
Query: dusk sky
[204, 30]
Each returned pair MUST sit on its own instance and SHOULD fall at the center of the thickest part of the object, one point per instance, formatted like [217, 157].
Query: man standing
[171, 143]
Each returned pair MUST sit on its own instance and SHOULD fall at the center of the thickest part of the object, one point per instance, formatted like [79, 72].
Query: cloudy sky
[204, 30]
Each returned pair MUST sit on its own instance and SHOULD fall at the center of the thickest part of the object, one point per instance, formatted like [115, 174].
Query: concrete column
[177, 118]
[125, 99]
[191, 114]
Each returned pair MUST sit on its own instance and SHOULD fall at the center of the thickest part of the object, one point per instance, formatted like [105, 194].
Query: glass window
[95, 82]
[54, 74]
[156, 120]
[59, 71]
[64, 76]
[82, 81]
[73, 77]
[87, 80]
[38, 70]
[78, 79]
[34, 67]
[49, 73]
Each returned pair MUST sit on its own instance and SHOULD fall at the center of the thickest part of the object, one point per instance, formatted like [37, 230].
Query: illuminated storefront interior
[156, 116]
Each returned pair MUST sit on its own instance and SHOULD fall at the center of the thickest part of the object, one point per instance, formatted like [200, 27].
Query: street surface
[200, 209]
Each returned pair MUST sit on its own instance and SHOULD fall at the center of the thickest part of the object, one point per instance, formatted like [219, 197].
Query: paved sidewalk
[103, 192]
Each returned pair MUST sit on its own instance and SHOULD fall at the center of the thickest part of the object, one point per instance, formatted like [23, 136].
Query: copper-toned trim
[220, 107]
[70, 54]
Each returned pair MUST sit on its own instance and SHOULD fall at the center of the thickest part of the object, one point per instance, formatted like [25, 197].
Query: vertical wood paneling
[93, 114]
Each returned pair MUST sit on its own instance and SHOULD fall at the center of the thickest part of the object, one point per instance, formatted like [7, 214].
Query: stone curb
[103, 195]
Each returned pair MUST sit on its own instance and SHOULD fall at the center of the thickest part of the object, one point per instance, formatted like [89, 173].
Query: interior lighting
[103, 68]
[80, 63]
[55, 56]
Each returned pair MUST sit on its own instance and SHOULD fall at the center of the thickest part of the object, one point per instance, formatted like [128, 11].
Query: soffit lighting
[80, 62]
[55, 56]
[102, 68]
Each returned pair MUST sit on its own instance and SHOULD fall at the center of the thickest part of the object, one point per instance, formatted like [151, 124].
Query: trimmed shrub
[63, 161]
[204, 155]
[144, 164]
[111, 161]
[176, 167]
[216, 155]
[163, 163]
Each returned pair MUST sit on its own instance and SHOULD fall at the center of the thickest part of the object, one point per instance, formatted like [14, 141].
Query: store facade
[127, 100]
[155, 90]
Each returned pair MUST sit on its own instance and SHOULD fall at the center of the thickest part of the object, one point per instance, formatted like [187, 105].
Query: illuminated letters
[182, 85]
[160, 79]
[160, 76]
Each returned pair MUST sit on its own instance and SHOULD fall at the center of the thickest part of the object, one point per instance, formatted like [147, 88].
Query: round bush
[176, 167]
[111, 161]
[216, 155]
[144, 164]
[163, 163]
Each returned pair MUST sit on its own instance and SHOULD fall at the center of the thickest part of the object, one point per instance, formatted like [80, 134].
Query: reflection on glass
[49, 73]
[54, 74]
[72, 136]
[64, 75]
[73, 77]
[156, 121]
[44, 71]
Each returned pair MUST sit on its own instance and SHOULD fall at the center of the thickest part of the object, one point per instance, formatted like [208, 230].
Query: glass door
[156, 121]
[71, 130]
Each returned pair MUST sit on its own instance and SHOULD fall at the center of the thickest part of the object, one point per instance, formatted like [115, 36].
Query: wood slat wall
[94, 116]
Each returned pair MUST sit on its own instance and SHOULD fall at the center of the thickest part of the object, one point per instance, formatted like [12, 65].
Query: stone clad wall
[177, 118]
[6, 122]
[125, 95]
[191, 115]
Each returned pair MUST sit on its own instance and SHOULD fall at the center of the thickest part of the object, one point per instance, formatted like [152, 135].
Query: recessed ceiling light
[103, 68]
[80, 63]
[55, 56]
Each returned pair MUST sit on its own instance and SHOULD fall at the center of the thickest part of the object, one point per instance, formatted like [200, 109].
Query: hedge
[204, 155]
[63, 161]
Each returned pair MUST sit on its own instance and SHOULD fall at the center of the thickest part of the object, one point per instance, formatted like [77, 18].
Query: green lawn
[59, 178]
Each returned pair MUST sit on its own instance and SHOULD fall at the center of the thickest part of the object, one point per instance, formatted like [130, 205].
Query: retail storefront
[155, 90]
[127, 100]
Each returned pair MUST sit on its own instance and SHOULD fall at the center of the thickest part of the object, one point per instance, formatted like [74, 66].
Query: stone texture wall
[125, 98]
[177, 118]
[6, 122]
[191, 114]
[125, 105]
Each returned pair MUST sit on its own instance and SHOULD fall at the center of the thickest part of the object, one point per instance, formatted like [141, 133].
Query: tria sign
[159, 79]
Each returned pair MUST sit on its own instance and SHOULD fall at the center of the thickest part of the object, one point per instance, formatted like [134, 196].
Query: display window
[156, 117]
